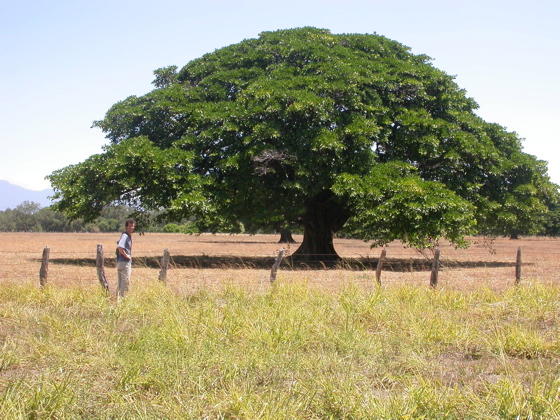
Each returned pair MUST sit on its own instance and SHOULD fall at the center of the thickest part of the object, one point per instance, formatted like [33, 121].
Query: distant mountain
[12, 195]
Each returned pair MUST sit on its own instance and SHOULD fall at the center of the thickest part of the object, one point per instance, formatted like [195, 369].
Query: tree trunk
[317, 244]
[286, 237]
[324, 216]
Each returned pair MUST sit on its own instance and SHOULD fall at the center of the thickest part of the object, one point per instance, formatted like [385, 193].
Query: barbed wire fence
[430, 262]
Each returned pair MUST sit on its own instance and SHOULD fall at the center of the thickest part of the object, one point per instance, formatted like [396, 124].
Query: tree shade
[307, 127]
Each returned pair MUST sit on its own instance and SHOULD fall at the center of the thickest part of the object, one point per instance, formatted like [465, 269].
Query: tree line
[30, 217]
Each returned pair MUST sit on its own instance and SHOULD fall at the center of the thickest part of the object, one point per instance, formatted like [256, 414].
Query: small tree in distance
[319, 129]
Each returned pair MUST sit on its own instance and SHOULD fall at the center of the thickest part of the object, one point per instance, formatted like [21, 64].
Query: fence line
[375, 256]
[382, 262]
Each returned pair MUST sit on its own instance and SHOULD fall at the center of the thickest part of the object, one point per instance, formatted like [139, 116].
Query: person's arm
[121, 247]
[123, 253]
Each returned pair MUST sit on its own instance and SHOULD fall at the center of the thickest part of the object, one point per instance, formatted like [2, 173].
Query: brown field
[212, 261]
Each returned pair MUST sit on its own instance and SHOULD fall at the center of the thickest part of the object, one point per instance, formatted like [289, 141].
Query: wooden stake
[100, 264]
[276, 265]
[518, 267]
[380, 266]
[435, 269]
[164, 266]
[44, 271]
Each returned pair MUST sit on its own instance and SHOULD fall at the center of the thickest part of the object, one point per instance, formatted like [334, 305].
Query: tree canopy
[307, 127]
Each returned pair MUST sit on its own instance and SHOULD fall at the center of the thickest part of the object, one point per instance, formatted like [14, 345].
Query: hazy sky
[64, 63]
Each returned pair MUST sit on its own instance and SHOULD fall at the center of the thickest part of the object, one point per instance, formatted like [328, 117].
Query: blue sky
[64, 63]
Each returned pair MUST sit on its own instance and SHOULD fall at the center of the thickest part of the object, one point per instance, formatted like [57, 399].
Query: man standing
[124, 257]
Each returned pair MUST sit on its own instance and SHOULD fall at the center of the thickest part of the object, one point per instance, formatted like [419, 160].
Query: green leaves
[392, 202]
[165, 76]
[134, 171]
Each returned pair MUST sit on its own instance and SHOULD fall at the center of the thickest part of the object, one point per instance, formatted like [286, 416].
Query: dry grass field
[212, 261]
[221, 342]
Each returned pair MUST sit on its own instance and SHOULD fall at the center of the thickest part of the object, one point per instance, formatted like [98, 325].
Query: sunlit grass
[290, 352]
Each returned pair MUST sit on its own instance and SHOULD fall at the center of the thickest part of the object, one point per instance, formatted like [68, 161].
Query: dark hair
[129, 222]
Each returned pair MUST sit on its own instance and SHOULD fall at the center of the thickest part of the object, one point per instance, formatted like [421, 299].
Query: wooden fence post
[100, 264]
[518, 267]
[380, 266]
[276, 265]
[435, 269]
[164, 266]
[44, 271]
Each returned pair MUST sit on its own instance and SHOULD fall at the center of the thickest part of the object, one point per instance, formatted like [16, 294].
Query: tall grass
[292, 352]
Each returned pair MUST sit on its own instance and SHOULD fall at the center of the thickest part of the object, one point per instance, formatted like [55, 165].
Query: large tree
[304, 126]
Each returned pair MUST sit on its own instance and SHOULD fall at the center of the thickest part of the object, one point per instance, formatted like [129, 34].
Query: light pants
[124, 268]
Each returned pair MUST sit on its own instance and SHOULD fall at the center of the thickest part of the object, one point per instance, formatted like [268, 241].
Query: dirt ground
[214, 261]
